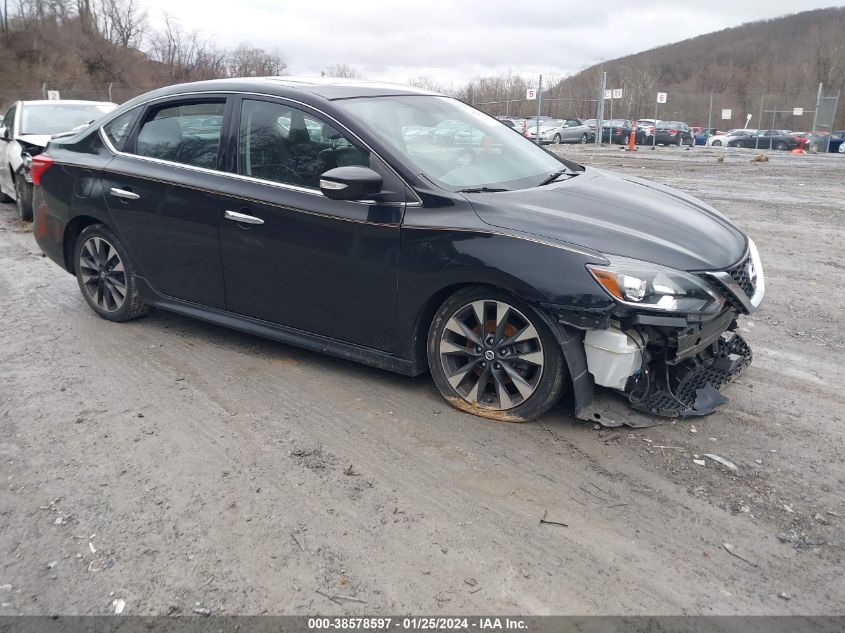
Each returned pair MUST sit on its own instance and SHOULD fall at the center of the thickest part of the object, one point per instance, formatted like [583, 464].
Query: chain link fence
[723, 111]
[118, 93]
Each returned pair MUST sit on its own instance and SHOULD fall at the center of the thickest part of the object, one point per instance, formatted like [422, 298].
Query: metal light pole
[539, 105]
[710, 113]
[600, 109]
[816, 116]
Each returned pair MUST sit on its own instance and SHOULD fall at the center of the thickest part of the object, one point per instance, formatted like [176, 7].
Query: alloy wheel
[491, 355]
[103, 274]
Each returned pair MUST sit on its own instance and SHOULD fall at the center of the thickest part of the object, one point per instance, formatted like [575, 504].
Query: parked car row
[26, 128]
[678, 133]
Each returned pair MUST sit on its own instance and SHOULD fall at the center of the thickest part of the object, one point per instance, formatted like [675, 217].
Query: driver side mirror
[4, 133]
[350, 183]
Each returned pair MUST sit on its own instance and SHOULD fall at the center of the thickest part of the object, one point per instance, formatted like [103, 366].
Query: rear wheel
[492, 356]
[717, 143]
[780, 146]
[106, 276]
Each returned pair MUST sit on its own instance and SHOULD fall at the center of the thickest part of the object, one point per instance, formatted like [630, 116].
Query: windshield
[461, 148]
[60, 117]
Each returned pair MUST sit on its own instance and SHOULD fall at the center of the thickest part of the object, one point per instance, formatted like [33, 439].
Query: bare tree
[186, 55]
[250, 61]
[343, 70]
[122, 22]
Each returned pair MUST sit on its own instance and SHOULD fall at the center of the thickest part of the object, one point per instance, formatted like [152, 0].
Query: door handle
[242, 217]
[122, 193]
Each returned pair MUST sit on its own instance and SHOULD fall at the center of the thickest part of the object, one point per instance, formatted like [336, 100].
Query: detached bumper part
[662, 383]
[692, 386]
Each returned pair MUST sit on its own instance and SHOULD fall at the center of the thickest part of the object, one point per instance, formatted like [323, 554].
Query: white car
[647, 126]
[24, 132]
[720, 140]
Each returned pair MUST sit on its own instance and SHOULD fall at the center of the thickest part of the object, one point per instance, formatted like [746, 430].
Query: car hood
[40, 140]
[619, 215]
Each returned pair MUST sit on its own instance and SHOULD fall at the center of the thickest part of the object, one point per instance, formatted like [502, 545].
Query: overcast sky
[452, 41]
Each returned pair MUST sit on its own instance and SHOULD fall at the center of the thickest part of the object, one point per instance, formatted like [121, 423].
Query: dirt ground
[177, 465]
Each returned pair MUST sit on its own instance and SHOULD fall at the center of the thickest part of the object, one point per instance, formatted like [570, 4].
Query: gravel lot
[172, 464]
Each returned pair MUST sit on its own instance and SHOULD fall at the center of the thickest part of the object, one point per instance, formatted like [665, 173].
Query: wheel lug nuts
[497, 366]
[478, 349]
[484, 364]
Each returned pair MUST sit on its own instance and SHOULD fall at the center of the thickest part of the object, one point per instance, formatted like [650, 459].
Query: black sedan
[297, 211]
[673, 133]
[767, 139]
[616, 131]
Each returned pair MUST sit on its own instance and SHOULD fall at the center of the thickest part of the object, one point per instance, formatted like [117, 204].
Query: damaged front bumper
[666, 365]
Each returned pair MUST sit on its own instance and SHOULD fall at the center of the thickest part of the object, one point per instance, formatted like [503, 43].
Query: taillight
[619, 130]
[673, 132]
[40, 164]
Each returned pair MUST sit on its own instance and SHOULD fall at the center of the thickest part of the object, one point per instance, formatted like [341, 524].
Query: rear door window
[183, 133]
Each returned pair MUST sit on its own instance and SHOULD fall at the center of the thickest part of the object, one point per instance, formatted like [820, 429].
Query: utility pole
[600, 109]
[539, 105]
[816, 116]
[710, 113]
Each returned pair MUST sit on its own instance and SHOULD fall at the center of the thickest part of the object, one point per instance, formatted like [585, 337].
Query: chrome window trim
[280, 185]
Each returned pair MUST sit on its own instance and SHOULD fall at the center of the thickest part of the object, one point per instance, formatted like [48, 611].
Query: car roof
[38, 102]
[329, 88]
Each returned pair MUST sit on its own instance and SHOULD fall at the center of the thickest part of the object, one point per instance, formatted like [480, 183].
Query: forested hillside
[84, 48]
[780, 61]
[81, 47]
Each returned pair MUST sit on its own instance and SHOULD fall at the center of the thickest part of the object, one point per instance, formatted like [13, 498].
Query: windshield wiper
[554, 177]
[482, 190]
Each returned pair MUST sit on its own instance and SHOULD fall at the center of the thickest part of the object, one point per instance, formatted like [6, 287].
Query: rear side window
[117, 130]
[187, 134]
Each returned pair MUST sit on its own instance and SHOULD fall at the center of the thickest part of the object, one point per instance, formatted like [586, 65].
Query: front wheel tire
[493, 356]
[106, 276]
[23, 198]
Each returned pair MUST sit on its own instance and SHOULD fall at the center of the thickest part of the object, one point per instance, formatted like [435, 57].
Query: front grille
[739, 273]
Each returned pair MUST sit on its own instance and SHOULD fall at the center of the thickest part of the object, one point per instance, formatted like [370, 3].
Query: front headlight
[652, 287]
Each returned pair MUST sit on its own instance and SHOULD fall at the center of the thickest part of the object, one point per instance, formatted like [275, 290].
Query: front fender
[436, 261]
